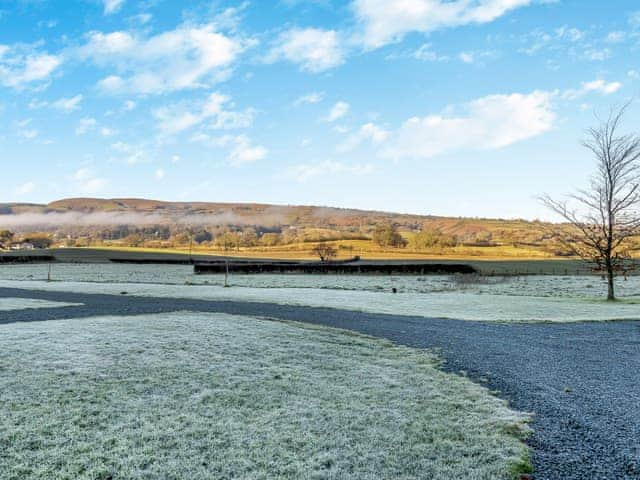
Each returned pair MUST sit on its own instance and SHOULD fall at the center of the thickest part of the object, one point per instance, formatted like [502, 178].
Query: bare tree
[605, 216]
[325, 251]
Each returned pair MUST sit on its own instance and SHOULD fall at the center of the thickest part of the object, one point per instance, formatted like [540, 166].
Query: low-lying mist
[53, 220]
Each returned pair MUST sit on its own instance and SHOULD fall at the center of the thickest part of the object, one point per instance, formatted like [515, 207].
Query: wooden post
[226, 273]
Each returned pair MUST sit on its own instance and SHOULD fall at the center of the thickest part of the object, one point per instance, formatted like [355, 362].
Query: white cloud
[426, 54]
[131, 154]
[129, 105]
[141, 18]
[36, 104]
[122, 147]
[374, 133]
[490, 122]
[615, 36]
[387, 21]
[24, 130]
[597, 54]
[307, 171]
[160, 174]
[23, 123]
[84, 125]
[245, 152]
[68, 105]
[175, 159]
[570, 33]
[315, 50]
[563, 38]
[177, 118]
[466, 57]
[24, 65]
[339, 110]
[26, 188]
[369, 131]
[595, 86]
[82, 174]
[241, 148]
[477, 56]
[185, 58]
[29, 133]
[108, 132]
[313, 97]
[111, 84]
[170, 123]
[86, 182]
[112, 6]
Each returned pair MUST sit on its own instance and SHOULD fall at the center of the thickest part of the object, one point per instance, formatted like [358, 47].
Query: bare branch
[607, 215]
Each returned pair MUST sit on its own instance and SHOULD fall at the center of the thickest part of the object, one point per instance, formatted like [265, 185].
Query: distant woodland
[269, 228]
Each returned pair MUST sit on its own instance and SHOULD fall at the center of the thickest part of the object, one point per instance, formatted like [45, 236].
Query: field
[115, 370]
[487, 264]
[348, 249]
[537, 298]
[215, 396]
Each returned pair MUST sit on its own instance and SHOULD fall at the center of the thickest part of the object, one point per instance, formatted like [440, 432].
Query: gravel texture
[580, 380]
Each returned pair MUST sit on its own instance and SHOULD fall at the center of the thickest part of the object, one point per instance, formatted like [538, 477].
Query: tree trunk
[610, 286]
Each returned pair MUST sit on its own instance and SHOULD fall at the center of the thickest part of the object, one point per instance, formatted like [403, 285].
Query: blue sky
[458, 107]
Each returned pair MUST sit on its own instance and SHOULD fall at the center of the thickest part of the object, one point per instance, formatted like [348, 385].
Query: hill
[131, 222]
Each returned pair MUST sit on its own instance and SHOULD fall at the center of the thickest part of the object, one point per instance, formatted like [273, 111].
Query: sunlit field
[349, 248]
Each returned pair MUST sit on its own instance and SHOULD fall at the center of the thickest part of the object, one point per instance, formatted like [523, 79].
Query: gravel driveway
[580, 380]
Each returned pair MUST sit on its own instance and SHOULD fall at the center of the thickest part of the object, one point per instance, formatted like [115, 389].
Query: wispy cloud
[305, 172]
[26, 188]
[86, 182]
[337, 111]
[368, 132]
[595, 86]
[385, 22]
[68, 105]
[85, 124]
[212, 113]
[241, 149]
[244, 151]
[313, 49]
[310, 98]
[25, 65]
[184, 58]
[112, 6]
[25, 130]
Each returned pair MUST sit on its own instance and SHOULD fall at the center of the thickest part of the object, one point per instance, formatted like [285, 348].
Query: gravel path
[580, 380]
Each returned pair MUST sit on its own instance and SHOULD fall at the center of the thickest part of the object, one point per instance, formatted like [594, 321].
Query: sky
[444, 107]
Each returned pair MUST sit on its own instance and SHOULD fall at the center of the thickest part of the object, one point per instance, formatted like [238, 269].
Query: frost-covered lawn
[7, 304]
[203, 396]
[458, 305]
[568, 286]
